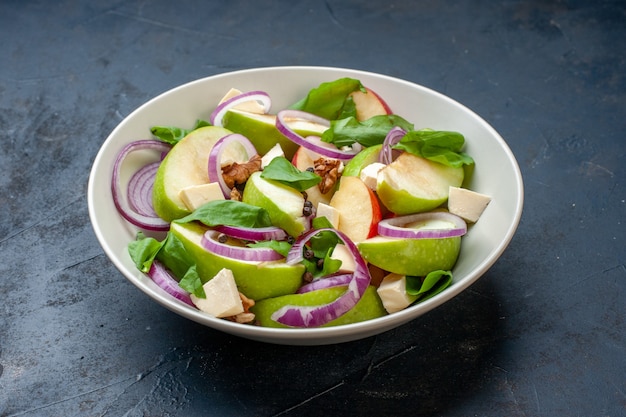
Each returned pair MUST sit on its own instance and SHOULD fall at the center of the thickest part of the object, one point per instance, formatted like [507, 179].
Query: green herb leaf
[436, 145]
[280, 246]
[192, 283]
[431, 285]
[174, 256]
[172, 134]
[322, 242]
[283, 171]
[370, 132]
[321, 222]
[143, 250]
[229, 213]
[330, 100]
[330, 265]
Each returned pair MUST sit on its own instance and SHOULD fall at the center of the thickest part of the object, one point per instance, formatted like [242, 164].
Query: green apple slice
[262, 132]
[257, 280]
[412, 184]
[283, 204]
[416, 257]
[184, 166]
[369, 306]
[364, 158]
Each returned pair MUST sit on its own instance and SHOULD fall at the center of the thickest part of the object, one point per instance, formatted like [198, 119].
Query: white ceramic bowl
[497, 175]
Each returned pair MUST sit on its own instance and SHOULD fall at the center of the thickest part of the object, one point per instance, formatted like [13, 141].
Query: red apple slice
[369, 104]
[358, 207]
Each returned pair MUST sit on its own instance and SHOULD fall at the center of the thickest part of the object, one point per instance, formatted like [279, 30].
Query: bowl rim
[325, 335]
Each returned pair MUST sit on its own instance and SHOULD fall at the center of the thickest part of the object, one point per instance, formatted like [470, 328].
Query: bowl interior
[497, 175]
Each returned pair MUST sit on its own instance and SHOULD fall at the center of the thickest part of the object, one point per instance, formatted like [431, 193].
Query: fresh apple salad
[332, 211]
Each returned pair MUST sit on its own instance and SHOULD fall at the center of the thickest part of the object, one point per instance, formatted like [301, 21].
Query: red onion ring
[215, 158]
[395, 226]
[122, 202]
[326, 282]
[218, 114]
[140, 190]
[313, 143]
[386, 153]
[242, 253]
[161, 277]
[255, 234]
[314, 316]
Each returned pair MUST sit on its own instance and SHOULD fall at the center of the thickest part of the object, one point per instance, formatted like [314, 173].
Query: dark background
[543, 333]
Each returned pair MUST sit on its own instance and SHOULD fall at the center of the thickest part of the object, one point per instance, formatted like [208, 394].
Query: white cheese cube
[342, 253]
[392, 292]
[251, 106]
[275, 152]
[331, 213]
[369, 174]
[195, 196]
[467, 204]
[222, 296]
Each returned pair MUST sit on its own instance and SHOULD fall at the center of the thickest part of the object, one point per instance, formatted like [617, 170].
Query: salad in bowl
[303, 205]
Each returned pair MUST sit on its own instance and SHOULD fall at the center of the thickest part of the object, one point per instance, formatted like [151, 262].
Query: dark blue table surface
[542, 333]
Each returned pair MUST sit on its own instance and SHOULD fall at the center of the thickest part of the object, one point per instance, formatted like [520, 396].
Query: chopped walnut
[328, 169]
[237, 174]
[246, 316]
[235, 194]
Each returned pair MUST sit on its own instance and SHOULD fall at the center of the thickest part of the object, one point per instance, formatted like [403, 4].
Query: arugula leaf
[431, 285]
[283, 171]
[436, 145]
[370, 132]
[229, 213]
[280, 246]
[192, 283]
[172, 134]
[143, 250]
[330, 100]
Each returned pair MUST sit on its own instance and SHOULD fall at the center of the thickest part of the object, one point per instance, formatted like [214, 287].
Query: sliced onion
[393, 137]
[396, 226]
[215, 158]
[162, 277]
[132, 206]
[314, 316]
[140, 189]
[242, 253]
[326, 282]
[218, 114]
[252, 233]
[313, 143]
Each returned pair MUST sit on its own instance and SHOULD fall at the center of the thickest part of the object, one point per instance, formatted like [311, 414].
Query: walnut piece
[235, 194]
[246, 316]
[328, 169]
[236, 174]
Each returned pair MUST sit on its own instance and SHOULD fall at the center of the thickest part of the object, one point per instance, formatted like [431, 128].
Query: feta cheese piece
[331, 213]
[392, 292]
[342, 253]
[251, 106]
[195, 196]
[369, 174]
[275, 152]
[467, 204]
[222, 296]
